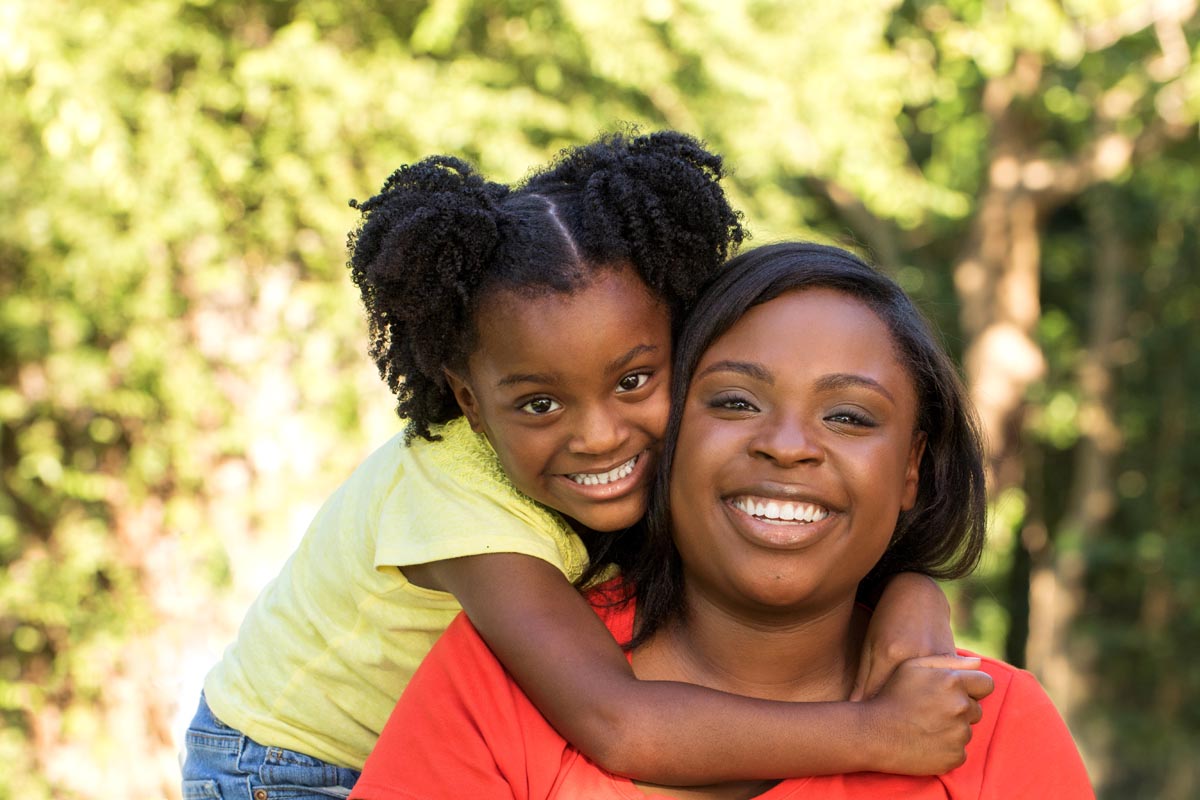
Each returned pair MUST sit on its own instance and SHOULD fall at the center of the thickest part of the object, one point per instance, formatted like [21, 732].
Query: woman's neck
[799, 656]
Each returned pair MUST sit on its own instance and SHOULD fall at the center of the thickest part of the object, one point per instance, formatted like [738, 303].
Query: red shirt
[463, 728]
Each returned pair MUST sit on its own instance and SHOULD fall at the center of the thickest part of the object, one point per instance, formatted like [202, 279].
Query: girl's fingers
[978, 684]
[948, 661]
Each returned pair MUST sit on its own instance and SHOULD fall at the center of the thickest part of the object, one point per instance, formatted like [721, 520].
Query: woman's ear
[912, 472]
[466, 398]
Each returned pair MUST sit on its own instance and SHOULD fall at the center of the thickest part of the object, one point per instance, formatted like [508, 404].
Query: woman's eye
[541, 405]
[854, 418]
[732, 403]
[632, 381]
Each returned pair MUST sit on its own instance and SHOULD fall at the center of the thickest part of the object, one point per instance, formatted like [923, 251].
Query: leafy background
[182, 365]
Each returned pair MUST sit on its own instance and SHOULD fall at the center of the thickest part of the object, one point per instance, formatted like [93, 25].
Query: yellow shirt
[329, 645]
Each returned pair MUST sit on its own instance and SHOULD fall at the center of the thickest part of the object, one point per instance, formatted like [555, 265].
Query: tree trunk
[1057, 590]
[997, 278]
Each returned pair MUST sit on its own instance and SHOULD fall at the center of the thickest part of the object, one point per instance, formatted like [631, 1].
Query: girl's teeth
[781, 510]
[601, 478]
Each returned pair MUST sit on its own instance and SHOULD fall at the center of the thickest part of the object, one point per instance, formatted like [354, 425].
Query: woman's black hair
[942, 535]
[438, 238]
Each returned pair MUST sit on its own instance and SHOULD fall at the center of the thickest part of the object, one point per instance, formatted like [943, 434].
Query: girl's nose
[599, 430]
[788, 442]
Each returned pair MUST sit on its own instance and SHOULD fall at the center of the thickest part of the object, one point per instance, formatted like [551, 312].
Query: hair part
[439, 239]
[942, 535]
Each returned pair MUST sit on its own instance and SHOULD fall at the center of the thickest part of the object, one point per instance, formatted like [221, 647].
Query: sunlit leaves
[182, 356]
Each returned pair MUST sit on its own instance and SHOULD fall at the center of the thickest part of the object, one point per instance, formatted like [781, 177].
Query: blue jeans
[223, 763]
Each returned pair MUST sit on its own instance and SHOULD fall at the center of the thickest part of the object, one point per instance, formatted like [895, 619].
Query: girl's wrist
[874, 742]
[863, 727]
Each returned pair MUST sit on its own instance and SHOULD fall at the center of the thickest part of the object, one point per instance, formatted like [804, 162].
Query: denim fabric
[222, 763]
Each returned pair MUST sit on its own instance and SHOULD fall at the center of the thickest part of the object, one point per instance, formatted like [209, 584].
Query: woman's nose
[788, 442]
[599, 430]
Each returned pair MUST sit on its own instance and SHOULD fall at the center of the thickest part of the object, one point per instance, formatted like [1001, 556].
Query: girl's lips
[609, 484]
[608, 476]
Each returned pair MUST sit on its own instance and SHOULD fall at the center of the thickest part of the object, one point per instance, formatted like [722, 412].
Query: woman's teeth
[780, 510]
[601, 478]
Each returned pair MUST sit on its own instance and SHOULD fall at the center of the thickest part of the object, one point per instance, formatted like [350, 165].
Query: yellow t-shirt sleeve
[454, 500]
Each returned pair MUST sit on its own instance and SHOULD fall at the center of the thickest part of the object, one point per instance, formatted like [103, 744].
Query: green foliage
[181, 357]
[1100, 76]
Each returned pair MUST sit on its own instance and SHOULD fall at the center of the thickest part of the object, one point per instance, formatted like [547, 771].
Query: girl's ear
[912, 472]
[466, 398]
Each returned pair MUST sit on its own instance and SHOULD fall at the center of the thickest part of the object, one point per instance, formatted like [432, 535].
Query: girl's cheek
[657, 424]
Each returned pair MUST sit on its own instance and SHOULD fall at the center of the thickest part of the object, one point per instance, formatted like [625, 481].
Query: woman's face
[796, 453]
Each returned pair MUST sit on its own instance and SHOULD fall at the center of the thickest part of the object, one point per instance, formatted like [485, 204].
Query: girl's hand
[911, 619]
[922, 717]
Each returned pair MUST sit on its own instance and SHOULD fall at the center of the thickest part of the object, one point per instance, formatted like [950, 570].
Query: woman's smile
[765, 508]
[779, 518]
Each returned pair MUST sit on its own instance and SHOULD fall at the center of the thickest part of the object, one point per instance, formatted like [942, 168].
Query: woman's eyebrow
[748, 368]
[842, 380]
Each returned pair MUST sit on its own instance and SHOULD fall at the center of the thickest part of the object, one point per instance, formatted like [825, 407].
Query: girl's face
[796, 454]
[572, 392]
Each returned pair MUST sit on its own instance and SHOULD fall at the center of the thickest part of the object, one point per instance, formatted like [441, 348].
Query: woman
[819, 442]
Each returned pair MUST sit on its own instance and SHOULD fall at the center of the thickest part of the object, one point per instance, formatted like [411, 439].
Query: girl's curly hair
[438, 238]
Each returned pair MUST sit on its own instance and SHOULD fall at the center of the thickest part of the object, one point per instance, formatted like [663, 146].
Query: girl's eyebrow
[525, 377]
[748, 368]
[620, 362]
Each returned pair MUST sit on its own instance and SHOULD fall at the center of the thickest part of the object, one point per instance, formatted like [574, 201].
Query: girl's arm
[566, 661]
[911, 619]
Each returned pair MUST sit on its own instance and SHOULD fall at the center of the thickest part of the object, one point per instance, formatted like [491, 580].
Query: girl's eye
[541, 405]
[632, 381]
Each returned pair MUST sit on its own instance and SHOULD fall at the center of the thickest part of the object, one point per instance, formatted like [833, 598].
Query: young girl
[527, 335]
[818, 438]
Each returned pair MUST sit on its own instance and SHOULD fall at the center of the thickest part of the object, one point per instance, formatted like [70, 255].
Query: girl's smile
[605, 484]
[572, 392]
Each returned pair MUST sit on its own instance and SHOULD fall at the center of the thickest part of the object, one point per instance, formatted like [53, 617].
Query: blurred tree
[181, 359]
[1063, 111]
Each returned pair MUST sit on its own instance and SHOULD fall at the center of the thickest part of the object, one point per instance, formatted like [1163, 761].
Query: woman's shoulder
[1017, 691]
[1005, 675]
[1022, 746]
[613, 602]
[1018, 698]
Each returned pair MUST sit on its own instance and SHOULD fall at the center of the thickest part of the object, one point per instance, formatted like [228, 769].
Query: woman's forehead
[816, 332]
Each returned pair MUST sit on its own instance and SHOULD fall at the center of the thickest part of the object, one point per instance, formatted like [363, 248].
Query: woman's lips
[769, 508]
[777, 522]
